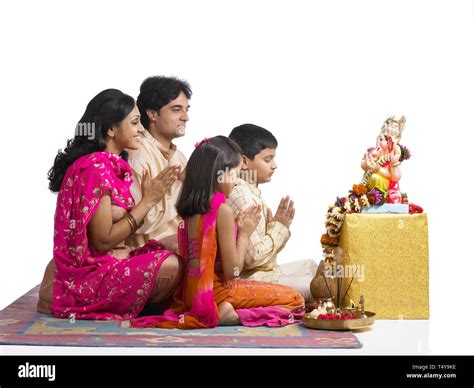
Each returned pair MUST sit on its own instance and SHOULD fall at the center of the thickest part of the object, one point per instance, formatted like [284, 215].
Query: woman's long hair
[105, 110]
[207, 162]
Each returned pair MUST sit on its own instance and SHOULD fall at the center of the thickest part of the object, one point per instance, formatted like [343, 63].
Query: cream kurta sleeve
[268, 238]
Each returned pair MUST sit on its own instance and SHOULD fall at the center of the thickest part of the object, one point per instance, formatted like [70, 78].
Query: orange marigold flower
[327, 240]
[359, 189]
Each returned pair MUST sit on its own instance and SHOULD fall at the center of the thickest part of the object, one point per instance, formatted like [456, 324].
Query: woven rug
[20, 324]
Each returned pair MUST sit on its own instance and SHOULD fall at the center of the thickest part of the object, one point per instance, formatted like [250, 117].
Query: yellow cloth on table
[393, 250]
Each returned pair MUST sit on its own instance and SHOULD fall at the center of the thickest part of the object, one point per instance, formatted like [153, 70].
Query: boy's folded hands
[248, 219]
[285, 212]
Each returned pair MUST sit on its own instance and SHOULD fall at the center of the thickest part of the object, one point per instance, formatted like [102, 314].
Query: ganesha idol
[382, 163]
[378, 192]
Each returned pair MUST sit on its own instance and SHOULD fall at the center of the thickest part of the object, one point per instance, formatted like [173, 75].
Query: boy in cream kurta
[269, 238]
[273, 232]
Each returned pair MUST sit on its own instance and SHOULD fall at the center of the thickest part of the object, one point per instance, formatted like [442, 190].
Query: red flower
[334, 317]
[415, 208]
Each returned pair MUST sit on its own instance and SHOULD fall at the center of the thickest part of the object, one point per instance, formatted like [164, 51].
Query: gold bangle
[130, 222]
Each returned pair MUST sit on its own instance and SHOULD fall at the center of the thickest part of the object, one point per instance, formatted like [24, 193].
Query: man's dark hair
[157, 91]
[253, 139]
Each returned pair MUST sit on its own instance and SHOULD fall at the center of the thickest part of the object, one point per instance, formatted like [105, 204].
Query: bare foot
[227, 315]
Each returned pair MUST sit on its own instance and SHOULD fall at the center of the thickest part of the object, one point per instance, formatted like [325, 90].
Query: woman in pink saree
[96, 276]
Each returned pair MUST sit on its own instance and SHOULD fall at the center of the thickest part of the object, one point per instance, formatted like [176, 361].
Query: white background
[322, 76]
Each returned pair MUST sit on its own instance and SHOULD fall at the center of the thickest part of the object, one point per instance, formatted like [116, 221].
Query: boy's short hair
[253, 139]
[158, 91]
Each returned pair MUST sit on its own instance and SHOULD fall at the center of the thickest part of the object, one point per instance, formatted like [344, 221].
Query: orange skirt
[245, 294]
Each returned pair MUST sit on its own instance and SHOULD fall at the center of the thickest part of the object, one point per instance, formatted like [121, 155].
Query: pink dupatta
[194, 306]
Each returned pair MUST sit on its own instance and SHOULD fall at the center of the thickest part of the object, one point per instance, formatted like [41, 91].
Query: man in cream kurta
[162, 220]
[163, 103]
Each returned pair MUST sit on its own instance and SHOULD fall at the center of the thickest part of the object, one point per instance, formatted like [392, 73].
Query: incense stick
[325, 281]
[353, 276]
[338, 290]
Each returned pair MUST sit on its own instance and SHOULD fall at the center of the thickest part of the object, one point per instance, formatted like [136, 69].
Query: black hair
[210, 159]
[158, 91]
[106, 109]
[253, 139]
